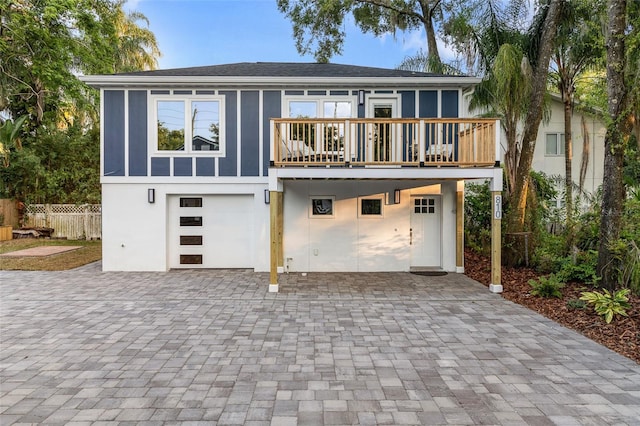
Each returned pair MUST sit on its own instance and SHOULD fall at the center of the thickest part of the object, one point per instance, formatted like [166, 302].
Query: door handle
[410, 236]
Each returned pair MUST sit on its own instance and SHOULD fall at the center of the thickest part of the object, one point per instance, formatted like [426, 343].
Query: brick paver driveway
[215, 347]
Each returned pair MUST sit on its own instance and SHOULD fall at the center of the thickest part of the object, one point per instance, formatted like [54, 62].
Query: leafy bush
[576, 304]
[477, 216]
[607, 304]
[546, 286]
[583, 269]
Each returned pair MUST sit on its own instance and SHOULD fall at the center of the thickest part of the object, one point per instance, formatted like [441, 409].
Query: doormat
[430, 273]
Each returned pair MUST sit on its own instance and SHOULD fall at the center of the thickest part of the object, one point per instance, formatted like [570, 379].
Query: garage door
[211, 231]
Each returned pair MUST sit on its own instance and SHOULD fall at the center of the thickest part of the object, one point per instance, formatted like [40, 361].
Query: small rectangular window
[424, 205]
[371, 207]
[322, 207]
[191, 259]
[190, 220]
[190, 240]
[190, 202]
[554, 144]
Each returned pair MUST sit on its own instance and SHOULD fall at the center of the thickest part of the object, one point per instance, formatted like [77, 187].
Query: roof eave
[106, 81]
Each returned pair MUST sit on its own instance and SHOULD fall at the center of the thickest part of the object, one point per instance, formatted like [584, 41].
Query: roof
[283, 69]
[284, 74]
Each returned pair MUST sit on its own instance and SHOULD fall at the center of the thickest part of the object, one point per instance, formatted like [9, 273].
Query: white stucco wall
[555, 165]
[134, 231]
[349, 243]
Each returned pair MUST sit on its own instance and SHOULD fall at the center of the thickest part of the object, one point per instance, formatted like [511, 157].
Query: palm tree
[578, 47]
[10, 137]
[137, 46]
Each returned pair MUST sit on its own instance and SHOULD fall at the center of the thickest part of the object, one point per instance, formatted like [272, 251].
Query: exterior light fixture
[360, 97]
[396, 196]
[267, 196]
[151, 195]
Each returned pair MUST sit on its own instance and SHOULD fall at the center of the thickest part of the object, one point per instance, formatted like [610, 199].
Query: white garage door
[211, 231]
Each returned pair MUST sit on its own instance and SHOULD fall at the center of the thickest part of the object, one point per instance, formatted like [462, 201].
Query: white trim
[260, 133]
[126, 133]
[239, 133]
[273, 288]
[414, 173]
[379, 197]
[319, 101]
[102, 134]
[152, 128]
[459, 269]
[322, 197]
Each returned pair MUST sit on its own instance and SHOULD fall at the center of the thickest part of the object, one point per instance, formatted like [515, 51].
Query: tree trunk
[432, 46]
[516, 217]
[613, 192]
[568, 156]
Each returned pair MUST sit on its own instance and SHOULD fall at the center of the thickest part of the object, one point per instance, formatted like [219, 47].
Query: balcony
[401, 142]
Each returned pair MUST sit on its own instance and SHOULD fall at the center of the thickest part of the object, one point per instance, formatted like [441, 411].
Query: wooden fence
[75, 222]
[8, 213]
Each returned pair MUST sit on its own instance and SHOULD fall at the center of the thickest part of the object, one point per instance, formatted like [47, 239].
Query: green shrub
[576, 304]
[607, 304]
[582, 270]
[546, 286]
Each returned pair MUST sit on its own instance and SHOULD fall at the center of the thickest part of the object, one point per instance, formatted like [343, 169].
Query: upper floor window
[306, 132]
[555, 144]
[189, 125]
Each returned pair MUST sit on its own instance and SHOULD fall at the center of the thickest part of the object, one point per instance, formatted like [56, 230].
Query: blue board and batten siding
[249, 134]
[138, 133]
[113, 133]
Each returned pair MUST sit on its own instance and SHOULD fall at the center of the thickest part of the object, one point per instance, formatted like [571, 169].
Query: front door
[381, 134]
[425, 232]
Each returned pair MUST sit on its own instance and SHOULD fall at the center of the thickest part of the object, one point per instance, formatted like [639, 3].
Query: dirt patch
[622, 335]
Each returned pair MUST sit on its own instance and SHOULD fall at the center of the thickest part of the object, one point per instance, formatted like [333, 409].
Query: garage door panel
[225, 230]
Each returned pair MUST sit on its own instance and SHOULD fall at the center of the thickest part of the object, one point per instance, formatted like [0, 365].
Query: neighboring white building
[588, 132]
[316, 167]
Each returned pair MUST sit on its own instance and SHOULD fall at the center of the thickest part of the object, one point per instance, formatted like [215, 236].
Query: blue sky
[208, 32]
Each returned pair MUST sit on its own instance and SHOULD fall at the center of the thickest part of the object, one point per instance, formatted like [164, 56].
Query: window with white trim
[188, 124]
[322, 207]
[331, 134]
[554, 144]
[371, 207]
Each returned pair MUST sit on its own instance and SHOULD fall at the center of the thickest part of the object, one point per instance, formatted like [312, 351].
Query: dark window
[191, 259]
[424, 205]
[322, 206]
[371, 207]
[190, 220]
[190, 240]
[190, 202]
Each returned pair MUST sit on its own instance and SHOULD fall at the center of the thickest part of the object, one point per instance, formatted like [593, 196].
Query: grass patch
[91, 251]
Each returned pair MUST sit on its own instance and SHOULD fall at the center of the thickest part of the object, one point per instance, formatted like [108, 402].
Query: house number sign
[497, 207]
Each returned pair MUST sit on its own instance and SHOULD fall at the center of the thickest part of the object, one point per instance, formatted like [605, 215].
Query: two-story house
[290, 167]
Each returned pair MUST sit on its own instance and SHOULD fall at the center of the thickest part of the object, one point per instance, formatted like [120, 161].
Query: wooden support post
[496, 242]
[280, 220]
[275, 249]
[460, 227]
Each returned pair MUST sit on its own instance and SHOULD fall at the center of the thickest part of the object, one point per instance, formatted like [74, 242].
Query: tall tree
[578, 47]
[44, 45]
[318, 25]
[543, 34]
[137, 46]
[622, 80]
